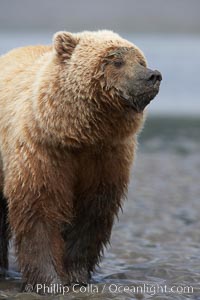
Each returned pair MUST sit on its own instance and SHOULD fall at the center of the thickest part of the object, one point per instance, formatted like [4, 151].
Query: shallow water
[156, 242]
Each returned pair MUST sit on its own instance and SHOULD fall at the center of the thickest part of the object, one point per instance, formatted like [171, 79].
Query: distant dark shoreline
[178, 134]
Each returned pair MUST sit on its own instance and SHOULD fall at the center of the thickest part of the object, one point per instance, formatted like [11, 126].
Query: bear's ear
[64, 44]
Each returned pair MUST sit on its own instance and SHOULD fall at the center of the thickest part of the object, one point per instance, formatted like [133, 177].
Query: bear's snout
[153, 77]
[143, 86]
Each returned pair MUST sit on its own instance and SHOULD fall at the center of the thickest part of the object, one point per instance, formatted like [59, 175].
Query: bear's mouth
[140, 101]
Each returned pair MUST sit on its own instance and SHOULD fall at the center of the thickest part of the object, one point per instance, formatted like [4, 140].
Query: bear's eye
[142, 63]
[118, 63]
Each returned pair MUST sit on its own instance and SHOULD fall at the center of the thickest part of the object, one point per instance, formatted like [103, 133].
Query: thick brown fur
[67, 143]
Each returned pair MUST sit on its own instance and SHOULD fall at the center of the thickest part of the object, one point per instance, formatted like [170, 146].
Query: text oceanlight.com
[151, 289]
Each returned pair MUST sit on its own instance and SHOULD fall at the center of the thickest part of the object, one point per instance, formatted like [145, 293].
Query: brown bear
[69, 118]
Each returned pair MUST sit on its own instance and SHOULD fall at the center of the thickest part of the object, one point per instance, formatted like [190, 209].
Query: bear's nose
[154, 76]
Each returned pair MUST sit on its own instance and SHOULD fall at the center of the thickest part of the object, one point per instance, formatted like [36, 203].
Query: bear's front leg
[95, 212]
[102, 184]
[39, 202]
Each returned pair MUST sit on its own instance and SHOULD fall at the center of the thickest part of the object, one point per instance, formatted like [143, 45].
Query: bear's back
[18, 69]
[17, 59]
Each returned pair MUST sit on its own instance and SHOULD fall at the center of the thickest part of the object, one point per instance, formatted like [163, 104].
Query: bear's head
[93, 88]
[103, 66]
